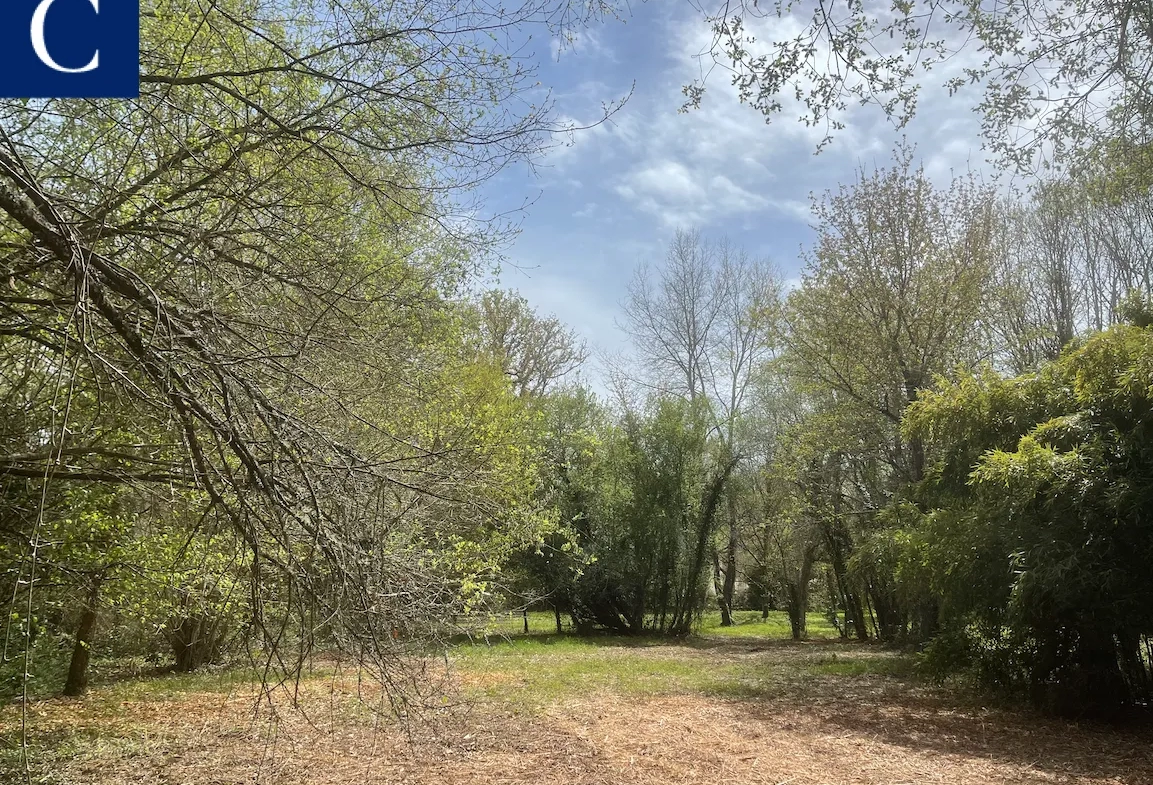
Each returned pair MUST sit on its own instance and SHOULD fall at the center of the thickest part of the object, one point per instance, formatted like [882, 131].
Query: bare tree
[1066, 258]
[742, 341]
[671, 312]
[534, 352]
[702, 324]
[247, 266]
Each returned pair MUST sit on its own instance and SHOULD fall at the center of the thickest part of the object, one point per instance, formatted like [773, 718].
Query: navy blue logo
[69, 48]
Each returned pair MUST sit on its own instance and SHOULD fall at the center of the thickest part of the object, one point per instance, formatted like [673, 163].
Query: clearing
[738, 707]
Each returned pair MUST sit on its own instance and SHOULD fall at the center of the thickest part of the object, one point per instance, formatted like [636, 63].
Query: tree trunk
[77, 681]
[838, 542]
[928, 619]
[683, 618]
[798, 605]
[1133, 668]
[890, 622]
[718, 586]
[196, 641]
[730, 584]
[1081, 674]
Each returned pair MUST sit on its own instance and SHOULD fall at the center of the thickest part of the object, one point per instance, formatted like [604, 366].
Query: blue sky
[612, 198]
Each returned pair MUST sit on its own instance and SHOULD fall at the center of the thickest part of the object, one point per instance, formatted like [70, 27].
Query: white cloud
[721, 168]
[580, 42]
[723, 163]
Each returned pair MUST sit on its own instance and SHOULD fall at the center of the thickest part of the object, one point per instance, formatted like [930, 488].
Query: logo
[69, 48]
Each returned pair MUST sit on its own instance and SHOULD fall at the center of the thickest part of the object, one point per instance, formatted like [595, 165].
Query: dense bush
[1039, 526]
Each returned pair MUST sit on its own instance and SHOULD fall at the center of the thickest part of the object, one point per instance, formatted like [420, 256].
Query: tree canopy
[1036, 531]
[1056, 79]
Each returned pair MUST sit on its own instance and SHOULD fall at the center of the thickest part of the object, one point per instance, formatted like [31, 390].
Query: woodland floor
[556, 709]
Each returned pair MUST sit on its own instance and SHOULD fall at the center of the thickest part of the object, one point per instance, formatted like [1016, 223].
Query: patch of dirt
[687, 739]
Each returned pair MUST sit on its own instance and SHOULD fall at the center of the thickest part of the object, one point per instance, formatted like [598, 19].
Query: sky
[611, 197]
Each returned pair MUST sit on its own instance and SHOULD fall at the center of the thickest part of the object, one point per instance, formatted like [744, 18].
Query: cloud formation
[612, 195]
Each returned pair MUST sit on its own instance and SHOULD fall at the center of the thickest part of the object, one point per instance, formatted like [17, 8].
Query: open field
[741, 708]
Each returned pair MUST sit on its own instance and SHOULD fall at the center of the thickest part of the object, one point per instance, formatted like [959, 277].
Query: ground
[733, 706]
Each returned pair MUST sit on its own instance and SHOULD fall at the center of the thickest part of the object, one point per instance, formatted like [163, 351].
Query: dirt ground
[860, 729]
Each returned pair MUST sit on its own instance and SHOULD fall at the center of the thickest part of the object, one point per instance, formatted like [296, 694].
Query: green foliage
[1136, 309]
[261, 357]
[1073, 73]
[636, 501]
[1038, 534]
[648, 544]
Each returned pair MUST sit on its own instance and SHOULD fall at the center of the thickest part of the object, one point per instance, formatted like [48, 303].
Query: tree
[243, 275]
[1066, 257]
[1037, 526]
[672, 318]
[533, 352]
[647, 522]
[577, 482]
[893, 294]
[1058, 79]
[782, 544]
[702, 324]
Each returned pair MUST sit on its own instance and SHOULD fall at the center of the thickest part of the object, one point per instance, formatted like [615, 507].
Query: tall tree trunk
[77, 681]
[683, 618]
[1133, 667]
[797, 586]
[730, 584]
[717, 590]
[838, 542]
[890, 621]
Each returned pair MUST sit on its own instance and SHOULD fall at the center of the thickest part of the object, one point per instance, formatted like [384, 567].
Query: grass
[747, 624]
[170, 686]
[540, 668]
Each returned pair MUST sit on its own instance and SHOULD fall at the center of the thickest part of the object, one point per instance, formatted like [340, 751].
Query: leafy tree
[577, 434]
[652, 517]
[1058, 79]
[238, 284]
[894, 293]
[782, 543]
[1037, 535]
[533, 352]
[121, 571]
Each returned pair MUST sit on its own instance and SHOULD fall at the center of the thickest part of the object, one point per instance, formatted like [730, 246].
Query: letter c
[41, 48]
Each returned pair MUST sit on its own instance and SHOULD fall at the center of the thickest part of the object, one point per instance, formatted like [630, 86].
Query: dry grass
[806, 724]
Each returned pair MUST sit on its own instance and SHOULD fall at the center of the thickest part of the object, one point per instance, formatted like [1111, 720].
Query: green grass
[747, 624]
[173, 685]
[542, 669]
[752, 659]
